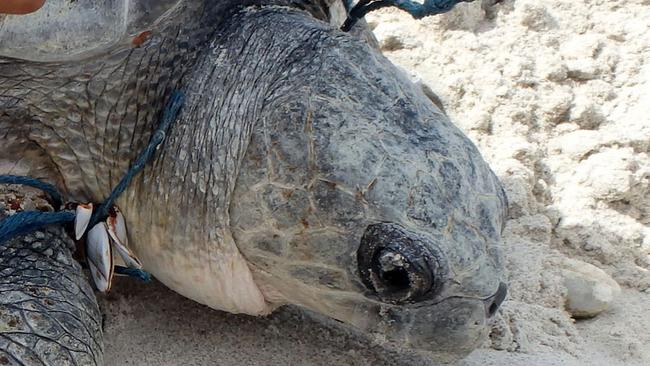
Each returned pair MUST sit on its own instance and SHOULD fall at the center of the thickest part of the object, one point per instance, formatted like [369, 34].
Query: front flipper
[48, 312]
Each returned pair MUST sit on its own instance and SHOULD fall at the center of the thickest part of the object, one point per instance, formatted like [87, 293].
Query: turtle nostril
[493, 302]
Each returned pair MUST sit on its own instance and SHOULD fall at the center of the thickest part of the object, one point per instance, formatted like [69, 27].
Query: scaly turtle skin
[304, 169]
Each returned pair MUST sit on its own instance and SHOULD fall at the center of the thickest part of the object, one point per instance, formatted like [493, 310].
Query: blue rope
[134, 272]
[169, 115]
[417, 10]
[33, 182]
[25, 222]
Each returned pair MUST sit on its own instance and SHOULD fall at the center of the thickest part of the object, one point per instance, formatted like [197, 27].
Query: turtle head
[360, 200]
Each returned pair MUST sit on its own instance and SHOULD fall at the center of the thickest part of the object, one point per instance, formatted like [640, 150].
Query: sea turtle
[304, 169]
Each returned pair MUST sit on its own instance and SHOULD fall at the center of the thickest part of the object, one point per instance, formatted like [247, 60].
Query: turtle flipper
[48, 312]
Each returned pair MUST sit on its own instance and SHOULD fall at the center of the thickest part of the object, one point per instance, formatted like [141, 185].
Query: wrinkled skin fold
[304, 169]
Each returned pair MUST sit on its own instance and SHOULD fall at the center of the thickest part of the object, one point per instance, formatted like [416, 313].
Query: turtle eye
[395, 265]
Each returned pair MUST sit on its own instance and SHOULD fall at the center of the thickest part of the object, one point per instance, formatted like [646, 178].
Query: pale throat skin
[295, 138]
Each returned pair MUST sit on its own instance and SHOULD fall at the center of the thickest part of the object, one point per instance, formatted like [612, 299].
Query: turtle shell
[63, 30]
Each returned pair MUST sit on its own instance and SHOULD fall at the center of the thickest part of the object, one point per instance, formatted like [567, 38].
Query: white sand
[556, 94]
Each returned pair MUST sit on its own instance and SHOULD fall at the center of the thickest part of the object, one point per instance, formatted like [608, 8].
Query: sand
[556, 95]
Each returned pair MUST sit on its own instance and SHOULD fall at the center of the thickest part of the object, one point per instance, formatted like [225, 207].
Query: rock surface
[589, 290]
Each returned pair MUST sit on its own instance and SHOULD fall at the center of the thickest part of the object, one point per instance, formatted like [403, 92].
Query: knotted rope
[25, 222]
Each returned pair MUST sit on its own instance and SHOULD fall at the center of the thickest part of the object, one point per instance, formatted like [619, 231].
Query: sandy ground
[556, 94]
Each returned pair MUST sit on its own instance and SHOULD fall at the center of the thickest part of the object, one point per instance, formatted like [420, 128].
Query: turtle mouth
[447, 330]
[453, 327]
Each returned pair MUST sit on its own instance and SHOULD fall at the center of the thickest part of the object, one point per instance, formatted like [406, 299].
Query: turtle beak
[493, 302]
[100, 257]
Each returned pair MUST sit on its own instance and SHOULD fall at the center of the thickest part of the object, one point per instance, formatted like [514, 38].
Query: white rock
[551, 68]
[582, 69]
[609, 174]
[575, 144]
[590, 290]
[586, 113]
[533, 15]
[393, 37]
[465, 16]
[581, 46]
[555, 102]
